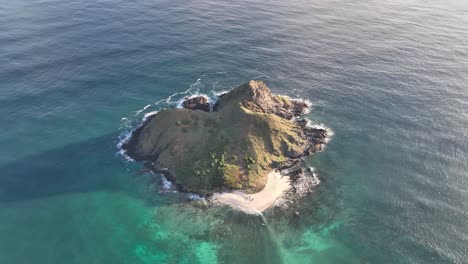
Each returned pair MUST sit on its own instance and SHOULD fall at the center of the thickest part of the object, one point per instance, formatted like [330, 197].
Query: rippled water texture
[390, 78]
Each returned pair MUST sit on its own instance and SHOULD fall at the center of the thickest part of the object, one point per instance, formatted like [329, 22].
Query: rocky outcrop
[317, 137]
[257, 97]
[249, 132]
[197, 103]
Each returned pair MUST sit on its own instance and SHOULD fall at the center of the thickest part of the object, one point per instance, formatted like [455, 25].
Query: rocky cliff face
[249, 132]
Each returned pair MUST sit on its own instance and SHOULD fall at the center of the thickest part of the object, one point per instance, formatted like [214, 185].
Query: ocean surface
[389, 77]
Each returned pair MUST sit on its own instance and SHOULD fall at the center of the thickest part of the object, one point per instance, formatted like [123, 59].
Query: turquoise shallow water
[389, 78]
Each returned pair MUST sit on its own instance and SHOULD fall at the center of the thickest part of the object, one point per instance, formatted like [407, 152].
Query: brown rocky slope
[249, 132]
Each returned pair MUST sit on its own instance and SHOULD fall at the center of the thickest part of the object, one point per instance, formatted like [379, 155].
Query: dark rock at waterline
[197, 103]
[299, 107]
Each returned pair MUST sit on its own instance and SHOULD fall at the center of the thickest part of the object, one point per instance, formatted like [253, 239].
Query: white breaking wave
[221, 92]
[195, 197]
[330, 132]
[300, 100]
[123, 153]
[122, 139]
[167, 186]
[143, 109]
[315, 179]
[307, 103]
[152, 113]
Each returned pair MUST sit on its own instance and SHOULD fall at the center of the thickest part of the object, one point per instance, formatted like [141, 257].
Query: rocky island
[232, 144]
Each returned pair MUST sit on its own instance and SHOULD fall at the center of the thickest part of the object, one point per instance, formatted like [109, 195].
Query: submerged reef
[231, 144]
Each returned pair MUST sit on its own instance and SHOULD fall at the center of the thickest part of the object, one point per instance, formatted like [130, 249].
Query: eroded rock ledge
[249, 132]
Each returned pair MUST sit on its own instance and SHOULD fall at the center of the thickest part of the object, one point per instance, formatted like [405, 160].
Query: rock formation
[197, 103]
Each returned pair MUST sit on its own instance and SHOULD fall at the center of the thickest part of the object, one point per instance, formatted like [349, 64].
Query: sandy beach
[255, 203]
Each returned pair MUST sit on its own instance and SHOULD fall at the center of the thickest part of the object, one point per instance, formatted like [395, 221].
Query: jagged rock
[299, 107]
[197, 103]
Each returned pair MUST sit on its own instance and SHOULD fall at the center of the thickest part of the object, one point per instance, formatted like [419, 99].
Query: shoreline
[256, 203]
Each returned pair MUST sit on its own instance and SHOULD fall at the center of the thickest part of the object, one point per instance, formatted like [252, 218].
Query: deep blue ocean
[389, 77]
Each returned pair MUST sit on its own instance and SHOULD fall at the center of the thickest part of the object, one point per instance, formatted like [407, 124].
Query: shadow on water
[79, 167]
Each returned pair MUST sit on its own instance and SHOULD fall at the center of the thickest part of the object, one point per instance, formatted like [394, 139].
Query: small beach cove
[277, 185]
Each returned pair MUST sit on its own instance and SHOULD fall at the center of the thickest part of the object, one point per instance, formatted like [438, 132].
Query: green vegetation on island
[249, 132]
